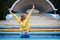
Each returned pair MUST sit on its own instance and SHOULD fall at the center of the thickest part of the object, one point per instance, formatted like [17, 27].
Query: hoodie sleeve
[16, 18]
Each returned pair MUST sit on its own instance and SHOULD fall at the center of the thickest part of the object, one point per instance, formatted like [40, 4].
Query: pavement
[42, 20]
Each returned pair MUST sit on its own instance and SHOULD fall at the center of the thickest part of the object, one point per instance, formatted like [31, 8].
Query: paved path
[42, 20]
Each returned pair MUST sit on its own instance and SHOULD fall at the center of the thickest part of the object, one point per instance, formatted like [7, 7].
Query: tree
[56, 3]
[4, 5]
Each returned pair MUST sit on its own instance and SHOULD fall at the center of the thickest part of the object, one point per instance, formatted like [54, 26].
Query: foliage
[4, 5]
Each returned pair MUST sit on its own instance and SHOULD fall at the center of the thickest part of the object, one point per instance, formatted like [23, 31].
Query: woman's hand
[33, 7]
[10, 11]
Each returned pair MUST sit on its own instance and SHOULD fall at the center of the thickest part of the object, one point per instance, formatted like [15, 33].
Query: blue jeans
[25, 35]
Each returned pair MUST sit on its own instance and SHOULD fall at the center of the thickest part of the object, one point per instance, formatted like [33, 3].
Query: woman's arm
[29, 14]
[16, 17]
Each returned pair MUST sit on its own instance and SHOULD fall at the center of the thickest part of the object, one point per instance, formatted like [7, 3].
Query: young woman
[24, 20]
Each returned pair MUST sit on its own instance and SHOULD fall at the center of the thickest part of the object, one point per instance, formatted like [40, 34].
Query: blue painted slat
[1, 27]
[32, 36]
[30, 32]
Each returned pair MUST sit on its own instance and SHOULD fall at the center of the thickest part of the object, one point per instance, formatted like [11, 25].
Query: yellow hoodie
[24, 25]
